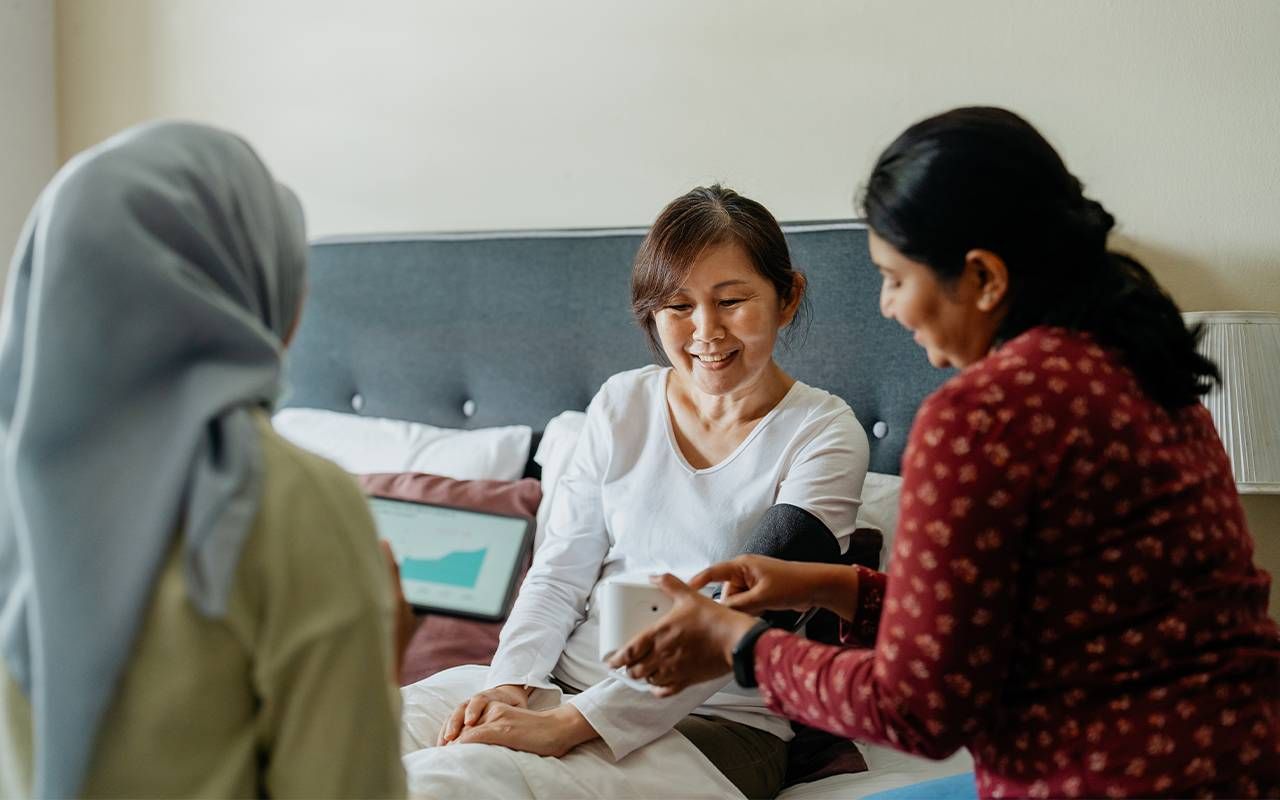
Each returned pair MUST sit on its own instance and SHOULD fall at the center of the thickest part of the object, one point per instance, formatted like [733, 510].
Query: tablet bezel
[508, 598]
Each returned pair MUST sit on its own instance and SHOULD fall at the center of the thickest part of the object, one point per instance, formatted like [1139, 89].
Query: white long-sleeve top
[630, 503]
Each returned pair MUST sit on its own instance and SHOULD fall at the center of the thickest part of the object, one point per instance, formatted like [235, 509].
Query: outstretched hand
[405, 623]
[692, 643]
[753, 584]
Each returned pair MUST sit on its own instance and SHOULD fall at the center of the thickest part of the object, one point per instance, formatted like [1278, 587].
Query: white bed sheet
[886, 769]
[669, 766]
[480, 771]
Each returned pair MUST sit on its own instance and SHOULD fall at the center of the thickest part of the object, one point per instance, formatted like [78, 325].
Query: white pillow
[555, 451]
[880, 509]
[362, 445]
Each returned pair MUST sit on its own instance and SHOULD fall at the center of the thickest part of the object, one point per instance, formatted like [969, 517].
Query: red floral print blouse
[1071, 595]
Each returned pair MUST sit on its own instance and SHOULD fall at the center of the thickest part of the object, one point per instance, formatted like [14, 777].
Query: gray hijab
[142, 324]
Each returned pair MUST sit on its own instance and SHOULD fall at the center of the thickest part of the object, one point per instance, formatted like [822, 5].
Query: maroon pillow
[442, 642]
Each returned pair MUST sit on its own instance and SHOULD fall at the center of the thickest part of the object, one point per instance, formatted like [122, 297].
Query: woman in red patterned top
[1071, 594]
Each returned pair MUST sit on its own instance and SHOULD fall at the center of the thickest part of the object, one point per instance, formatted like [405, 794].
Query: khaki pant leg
[753, 760]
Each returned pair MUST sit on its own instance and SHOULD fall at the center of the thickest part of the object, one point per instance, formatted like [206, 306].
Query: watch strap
[744, 655]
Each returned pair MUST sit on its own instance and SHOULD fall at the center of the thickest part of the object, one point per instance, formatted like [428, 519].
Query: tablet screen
[456, 562]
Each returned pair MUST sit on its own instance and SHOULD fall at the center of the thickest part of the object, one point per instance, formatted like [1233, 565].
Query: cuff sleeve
[866, 622]
[508, 670]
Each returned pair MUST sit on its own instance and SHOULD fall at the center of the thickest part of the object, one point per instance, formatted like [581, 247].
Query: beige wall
[415, 115]
[1263, 512]
[28, 133]
[390, 115]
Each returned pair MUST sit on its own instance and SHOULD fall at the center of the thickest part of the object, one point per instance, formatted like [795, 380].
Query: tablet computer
[453, 561]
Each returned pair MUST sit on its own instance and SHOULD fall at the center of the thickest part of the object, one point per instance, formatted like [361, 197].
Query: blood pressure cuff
[792, 534]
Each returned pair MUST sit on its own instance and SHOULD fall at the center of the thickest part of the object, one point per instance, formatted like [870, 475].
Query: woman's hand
[692, 643]
[473, 709]
[405, 622]
[753, 584]
[545, 733]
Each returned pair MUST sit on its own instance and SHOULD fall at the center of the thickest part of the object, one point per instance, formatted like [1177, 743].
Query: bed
[479, 331]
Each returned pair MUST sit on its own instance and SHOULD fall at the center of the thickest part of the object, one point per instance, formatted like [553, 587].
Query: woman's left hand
[405, 621]
[545, 733]
[693, 643]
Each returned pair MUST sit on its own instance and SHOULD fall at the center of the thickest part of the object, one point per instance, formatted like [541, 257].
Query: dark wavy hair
[702, 217]
[985, 178]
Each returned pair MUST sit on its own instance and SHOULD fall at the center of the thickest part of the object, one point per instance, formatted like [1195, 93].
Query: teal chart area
[454, 569]
[451, 559]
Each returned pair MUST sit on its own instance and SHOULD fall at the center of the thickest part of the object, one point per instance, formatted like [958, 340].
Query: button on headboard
[480, 329]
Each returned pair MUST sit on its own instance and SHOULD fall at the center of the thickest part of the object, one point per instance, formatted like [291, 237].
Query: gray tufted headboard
[474, 330]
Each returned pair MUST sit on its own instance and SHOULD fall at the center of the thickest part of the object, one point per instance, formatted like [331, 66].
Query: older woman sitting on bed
[678, 467]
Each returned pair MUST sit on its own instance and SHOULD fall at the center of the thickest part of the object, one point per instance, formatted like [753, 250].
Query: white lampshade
[1246, 406]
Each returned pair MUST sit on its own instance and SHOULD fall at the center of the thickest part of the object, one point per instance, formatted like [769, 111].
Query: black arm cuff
[792, 534]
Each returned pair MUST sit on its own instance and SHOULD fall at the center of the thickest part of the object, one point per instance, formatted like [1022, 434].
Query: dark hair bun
[1092, 223]
[985, 177]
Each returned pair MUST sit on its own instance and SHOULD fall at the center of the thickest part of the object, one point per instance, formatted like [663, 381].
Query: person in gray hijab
[187, 604]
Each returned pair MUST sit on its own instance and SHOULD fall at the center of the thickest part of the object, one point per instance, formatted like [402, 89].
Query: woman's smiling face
[719, 328]
[954, 323]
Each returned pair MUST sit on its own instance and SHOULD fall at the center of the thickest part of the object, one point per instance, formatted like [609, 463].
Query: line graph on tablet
[459, 568]
[450, 558]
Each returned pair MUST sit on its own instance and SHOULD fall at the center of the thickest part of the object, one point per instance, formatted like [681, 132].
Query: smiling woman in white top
[678, 467]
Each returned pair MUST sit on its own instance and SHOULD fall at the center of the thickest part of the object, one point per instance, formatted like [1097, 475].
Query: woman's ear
[792, 304]
[989, 276]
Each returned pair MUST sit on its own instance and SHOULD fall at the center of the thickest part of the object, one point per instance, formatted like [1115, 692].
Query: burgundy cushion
[442, 642]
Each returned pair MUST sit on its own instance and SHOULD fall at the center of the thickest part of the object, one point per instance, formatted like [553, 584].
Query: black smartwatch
[744, 655]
